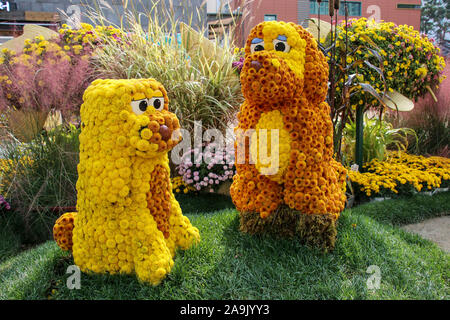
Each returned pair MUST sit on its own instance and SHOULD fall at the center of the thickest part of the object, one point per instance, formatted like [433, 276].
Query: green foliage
[228, 264]
[374, 60]
[379, 136]
[435, 19]
[43, 178]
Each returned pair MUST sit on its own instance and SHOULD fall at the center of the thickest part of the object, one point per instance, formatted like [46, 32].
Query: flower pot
[437, 190]
[350, 201]
[377, 199]
[26, 124]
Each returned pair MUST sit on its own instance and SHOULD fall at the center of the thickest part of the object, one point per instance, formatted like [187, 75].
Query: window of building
[408, 6]
[314, 6]
[270, 17]
[354, 8]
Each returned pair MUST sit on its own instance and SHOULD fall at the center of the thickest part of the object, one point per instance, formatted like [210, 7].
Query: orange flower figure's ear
[316, 68]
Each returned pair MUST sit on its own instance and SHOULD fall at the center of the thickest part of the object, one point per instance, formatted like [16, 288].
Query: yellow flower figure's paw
[189, 238]
[62, 230]
[154, 271]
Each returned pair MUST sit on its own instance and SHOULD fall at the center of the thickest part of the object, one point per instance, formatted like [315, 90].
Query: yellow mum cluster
[70, 43]
[8, 167]
[178, 185]
[410, 60]
[402, 173]
[128, 219]
[284, 82]
[271, 121]
[87, 34]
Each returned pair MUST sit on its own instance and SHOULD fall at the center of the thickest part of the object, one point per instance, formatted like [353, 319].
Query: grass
[230, 265]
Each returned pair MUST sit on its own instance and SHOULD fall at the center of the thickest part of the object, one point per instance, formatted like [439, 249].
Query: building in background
[256, 11]
[16, 13]
[397, 11]
[299, 11]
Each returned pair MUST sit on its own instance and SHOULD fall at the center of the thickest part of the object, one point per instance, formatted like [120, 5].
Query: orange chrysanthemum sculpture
[287, 180]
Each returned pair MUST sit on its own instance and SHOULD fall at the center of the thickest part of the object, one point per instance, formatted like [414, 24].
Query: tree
[435, 20]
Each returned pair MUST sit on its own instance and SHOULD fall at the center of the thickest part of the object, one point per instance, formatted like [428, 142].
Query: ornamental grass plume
[199, 90]
[51, 74]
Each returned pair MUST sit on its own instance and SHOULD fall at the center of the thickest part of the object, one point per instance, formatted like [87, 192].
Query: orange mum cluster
[62, 230]
[284, 82]
[158, 199]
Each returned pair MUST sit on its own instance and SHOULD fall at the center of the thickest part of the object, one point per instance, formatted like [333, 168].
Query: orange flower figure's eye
[280, 44]
[257, 45]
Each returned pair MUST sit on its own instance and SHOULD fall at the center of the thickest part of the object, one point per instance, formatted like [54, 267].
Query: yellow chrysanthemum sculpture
[127, 220]
[284, 83]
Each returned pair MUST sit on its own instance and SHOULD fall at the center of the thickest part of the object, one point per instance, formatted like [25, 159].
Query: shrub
[216, 167]
[50, 74]
[38, 180]
[410, 61]
[401, 174]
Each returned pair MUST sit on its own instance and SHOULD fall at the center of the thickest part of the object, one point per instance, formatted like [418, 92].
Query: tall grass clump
[431, 123]
[201, 82]
[38, 180]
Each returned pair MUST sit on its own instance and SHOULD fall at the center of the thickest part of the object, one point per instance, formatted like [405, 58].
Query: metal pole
[359, 136]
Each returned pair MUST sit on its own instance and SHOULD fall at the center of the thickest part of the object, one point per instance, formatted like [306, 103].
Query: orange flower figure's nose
[256, 65]
[165, 132]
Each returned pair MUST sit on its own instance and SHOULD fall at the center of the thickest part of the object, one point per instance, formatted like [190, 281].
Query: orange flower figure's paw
[62, 230]
[264, 214]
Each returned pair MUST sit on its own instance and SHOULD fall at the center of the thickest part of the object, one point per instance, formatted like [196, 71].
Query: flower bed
[216, 167]
[401, 174]
[52, 73]
[389, 57]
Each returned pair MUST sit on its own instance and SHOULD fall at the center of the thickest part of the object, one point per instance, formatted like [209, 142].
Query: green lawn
[230, 265]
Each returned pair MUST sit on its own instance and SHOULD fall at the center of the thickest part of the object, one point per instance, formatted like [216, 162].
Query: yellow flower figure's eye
[257, 45]
[157, 103]
[139, 106]
[280, 44]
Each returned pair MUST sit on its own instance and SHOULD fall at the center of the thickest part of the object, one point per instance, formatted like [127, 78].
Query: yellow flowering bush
[284, 83]
[179, 186]
[401, 173]
[406, 59]
[127, 217]
[51, 74]
[8, 168]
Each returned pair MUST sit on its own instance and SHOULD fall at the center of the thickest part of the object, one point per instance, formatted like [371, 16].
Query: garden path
[435, 229]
